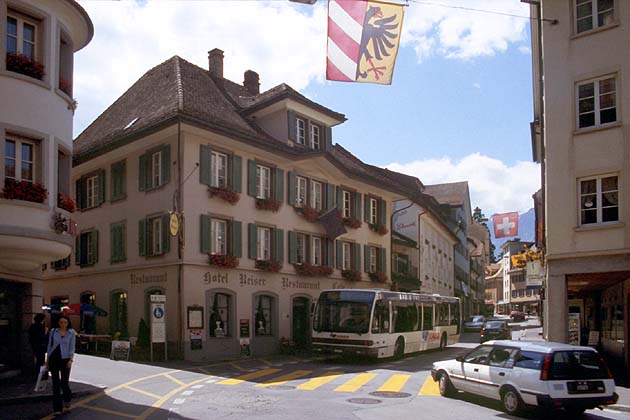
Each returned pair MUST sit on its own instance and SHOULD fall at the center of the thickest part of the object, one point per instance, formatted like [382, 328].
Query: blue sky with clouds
[458, 109]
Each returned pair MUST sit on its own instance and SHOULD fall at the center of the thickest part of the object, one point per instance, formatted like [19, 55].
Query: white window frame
[373, 259]
[218, 234]
[301, 191]
[89, 237]
[347, 203]
[263, 243]
[596, 99]
[594, 15]
[316, 195]
[316, 250]
[156, 236]
[219, 174]
[599, 197]
[156, 171]
[91, 191]
[346, 256]
[18, 159]
[300, 248]
[373, 211]
[315, 137]
[21, 21]
[300, 131]
[263, 182]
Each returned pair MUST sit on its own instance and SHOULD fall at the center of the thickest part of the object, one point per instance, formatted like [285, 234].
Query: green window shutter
[118, 180]
[357, 205]
[113, 242]
[204, 164]
[291, 122]
[79, 193]
[205, 234]
[237, 242]
[101, 186]
[339, 200]
[328, 138]
[382, 212]
[237, 174]
[367, 209]
[142, 172]
[142, 237]
[77, 250]
[356, 257]
[94, 246]
[292, 247]
[166, 234]
[330, 196]
[339, 256]
[251, 178]
[330, 253]
[278, 245]
[382, 260]
[366, 259]
[166, 164]
[278, 180]
[251, 240]
[292, 182]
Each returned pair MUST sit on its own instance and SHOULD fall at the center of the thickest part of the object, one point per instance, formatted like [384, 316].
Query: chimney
[215, 63]
[251, 82]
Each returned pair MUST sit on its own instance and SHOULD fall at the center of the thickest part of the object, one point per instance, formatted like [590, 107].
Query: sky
[458, 109]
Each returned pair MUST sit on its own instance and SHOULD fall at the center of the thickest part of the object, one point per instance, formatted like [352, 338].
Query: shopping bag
[42, 384]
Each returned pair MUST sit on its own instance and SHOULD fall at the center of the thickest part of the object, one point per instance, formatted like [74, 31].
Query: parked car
[474, 323]
[517, 316]
[522, 374]
[495, 330]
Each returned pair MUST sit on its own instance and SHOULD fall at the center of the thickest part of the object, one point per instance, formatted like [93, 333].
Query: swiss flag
[505, 225]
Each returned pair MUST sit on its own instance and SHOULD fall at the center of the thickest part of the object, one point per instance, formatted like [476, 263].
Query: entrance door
[301, 321]
[10, 325]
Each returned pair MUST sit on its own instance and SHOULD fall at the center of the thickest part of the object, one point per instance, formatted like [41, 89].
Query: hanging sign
[173, 224]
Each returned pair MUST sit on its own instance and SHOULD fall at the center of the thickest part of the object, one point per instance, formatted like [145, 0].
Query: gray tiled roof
[453, 193]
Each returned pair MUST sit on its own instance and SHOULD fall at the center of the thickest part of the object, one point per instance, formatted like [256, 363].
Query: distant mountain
[526, 230]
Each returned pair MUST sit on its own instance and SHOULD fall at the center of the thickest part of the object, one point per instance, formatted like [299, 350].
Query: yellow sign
[519, 260]
[174, 224]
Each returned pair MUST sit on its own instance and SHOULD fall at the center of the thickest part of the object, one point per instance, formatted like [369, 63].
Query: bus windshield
[344, 312]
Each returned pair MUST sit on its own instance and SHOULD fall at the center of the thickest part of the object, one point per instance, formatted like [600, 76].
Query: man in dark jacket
[38, 338]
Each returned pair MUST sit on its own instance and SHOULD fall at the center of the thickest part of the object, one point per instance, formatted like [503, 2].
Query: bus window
[454, 313]
[380, 322]
[442, 314]
[419, 312]
[427, 319]
[406, 317]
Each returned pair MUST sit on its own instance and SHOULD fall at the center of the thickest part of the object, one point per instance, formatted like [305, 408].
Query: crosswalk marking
[143, 392]
[319, 381]
[356, 382]
[177, 381]
[249, 376]
[430, 387]
[394, 383]
[285, 378]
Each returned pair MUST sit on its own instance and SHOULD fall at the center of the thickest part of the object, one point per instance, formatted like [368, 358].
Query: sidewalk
[20, 390]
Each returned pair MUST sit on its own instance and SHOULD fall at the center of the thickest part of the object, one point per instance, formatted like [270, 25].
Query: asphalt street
[275, 388]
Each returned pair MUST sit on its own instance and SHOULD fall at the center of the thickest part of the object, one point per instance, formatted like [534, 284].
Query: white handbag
[42, 384]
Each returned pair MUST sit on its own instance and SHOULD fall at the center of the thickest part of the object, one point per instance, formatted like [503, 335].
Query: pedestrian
[38, 338]
[61, 344]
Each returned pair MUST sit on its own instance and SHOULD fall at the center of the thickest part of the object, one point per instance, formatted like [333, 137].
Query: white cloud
[494, 186]
[477, 86]
[524, 49]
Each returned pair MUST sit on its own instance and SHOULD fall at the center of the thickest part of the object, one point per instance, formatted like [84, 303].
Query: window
[60, 264]
[92, 191]
[86, 250]
[156, 170]
[118, 242]
[300, 248]
[301, 131]
[529, 360]
[401, 264]
[118, 180]
[118, 314]
[380, 321]
[590, 14]
[597, 102]
[88, 319]
[263, 244]
[21, 35]
[347, 208]
[480, 355]
[427, 316]
[316, 250]
[300, 193]
[219, 165]
[19, 160]
[154, 238]
[263, 316]
[315, 137]
[316, 195]
[220, 322]
[599, 200]
[219, 237]
[346, 256]
[64, 165]
[502, 357]
[373, 211]
[263, 182]
[514, 293]
[373, 256]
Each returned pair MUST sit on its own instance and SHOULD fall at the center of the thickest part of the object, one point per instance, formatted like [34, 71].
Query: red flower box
[378, 228]
[22, 64]
[24, 190]
[65, 86]
[378, 277]
[268, 265]
[224, 194]
[225, 261]
[306, 269]
[351, 222]
[309, 213]
[351, 275]
[66, 203]
[268, 204]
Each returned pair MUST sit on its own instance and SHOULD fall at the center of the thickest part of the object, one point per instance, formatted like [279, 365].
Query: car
[517, 316]
[474, 323]
[495, 330]
[525, 374]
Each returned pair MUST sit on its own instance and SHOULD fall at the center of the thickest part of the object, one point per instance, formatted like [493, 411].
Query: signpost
[158, 322]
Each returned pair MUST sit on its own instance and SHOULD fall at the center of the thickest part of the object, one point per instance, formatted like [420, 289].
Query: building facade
[580, 137]
[517, 295]
[479, 237]
[38, 42]
[494, 288]
[245, 175]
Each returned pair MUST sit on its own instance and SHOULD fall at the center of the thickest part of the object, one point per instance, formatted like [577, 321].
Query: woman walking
[60, 356]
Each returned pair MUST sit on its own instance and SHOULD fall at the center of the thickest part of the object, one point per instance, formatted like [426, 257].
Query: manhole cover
[364, 401]
[390, 394]
[282, 387]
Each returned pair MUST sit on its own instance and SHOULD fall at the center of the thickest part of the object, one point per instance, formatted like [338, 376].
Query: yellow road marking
[356, 382]
[143, 392]
[177, 381]
[202, 370]
[235, 366]
[105, 410]
[430, 387]
[317, 382]
[394, 383]
[265, 361]
[168, 396]
[285, 378]
[248, 376]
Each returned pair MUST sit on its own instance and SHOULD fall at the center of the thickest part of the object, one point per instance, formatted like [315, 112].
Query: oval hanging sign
[174, 224]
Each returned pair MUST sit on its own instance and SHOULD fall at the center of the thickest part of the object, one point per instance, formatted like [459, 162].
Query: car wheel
[511, 400]
[446, 386]
[399, 348]
[443, 342]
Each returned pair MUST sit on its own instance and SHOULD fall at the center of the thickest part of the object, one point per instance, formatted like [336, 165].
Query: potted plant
[351, 275]
[378, 228]
[268, 204]
[224, 194]
[350, 222]
[20, 63]
[224, 261]
[268, 265]
[24, 190]
[378, 276]
[309, 213]
[65, 202]
[309, 270]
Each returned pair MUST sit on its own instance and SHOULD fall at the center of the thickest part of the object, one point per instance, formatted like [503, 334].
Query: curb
[619, 407]
[25, 399]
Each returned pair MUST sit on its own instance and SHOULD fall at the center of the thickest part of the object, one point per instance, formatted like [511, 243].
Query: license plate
[582, 387]
[337, 351]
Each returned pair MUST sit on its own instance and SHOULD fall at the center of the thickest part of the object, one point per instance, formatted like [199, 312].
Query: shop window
[263, 320]
[220, 322]
[118, 314]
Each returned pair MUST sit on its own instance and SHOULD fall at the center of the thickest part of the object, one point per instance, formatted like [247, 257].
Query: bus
[380, 323]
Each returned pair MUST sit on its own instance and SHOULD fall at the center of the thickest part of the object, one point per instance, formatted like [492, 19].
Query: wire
[471, 9]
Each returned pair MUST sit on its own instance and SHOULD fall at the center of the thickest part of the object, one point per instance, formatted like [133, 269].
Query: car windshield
[578, 364]
[495, 325]
[475, 319]
[348, 313]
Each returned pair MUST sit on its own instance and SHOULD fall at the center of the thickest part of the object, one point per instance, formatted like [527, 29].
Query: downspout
[180, 236]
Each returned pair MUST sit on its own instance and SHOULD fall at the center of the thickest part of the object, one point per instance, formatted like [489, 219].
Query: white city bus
[379, 323]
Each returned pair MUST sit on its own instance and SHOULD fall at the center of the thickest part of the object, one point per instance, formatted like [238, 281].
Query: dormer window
[315, 137]
[306, 132]
[300, 131]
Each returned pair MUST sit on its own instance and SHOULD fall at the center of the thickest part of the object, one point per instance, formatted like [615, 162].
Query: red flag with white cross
[505, 225]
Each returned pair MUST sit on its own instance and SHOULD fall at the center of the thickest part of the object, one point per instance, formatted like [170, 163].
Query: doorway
[301, 321]
[11, 295]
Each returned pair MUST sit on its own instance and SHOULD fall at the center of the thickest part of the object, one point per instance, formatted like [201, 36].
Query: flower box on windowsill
[268, 204]
[309, 213]
[22, 64]
[66, 203]
[378, 228]
[24, 190]
[224, 261]
[224, 194]
[351, 275]
[65, 86]
[268, 265]
[378, 277]
[309, 270]
[351, 222]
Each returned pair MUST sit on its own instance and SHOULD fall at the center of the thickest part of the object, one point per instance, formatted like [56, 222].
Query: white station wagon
[522, 374]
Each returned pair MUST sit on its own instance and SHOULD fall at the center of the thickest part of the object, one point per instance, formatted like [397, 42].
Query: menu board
[574, 329]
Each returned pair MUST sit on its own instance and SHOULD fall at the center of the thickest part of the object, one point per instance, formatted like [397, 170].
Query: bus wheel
[399, 349]
[443, 342]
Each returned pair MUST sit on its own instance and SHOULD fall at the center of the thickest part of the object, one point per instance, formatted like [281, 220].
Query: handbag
[42, 383]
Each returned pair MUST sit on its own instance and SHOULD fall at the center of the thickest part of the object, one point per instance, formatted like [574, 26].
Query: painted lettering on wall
[245, 280]
[298, 284]
[135, 279]
[209, 278]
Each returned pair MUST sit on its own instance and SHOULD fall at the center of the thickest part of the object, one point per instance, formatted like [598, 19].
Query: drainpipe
[180, 242]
